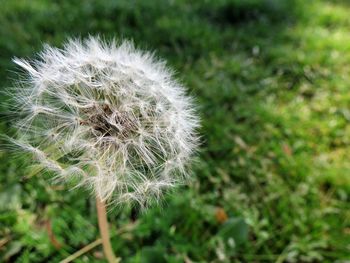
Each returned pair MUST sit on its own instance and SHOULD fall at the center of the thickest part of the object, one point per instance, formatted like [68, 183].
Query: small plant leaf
[236, 229]
[152, 254]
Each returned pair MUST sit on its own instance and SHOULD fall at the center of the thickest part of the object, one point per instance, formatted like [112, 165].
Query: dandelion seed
[116, 116]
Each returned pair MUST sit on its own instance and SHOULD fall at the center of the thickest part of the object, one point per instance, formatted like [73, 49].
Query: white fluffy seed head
[109, 115]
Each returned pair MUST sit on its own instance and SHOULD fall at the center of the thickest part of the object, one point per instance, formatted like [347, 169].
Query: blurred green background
[272, 183]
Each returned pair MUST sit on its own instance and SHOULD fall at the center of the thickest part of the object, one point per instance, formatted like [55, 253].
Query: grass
[272, 82]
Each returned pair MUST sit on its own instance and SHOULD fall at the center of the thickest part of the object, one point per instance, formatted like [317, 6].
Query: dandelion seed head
[108, 114]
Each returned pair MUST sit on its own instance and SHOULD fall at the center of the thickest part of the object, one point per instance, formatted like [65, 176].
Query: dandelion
[109, 117]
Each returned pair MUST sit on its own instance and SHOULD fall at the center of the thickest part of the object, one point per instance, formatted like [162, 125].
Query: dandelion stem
[103, 225]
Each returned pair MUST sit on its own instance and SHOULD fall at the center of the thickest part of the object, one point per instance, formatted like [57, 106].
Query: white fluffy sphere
[109, 115]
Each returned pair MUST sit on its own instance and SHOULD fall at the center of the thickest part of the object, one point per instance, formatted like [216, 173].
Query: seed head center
[105, 122]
